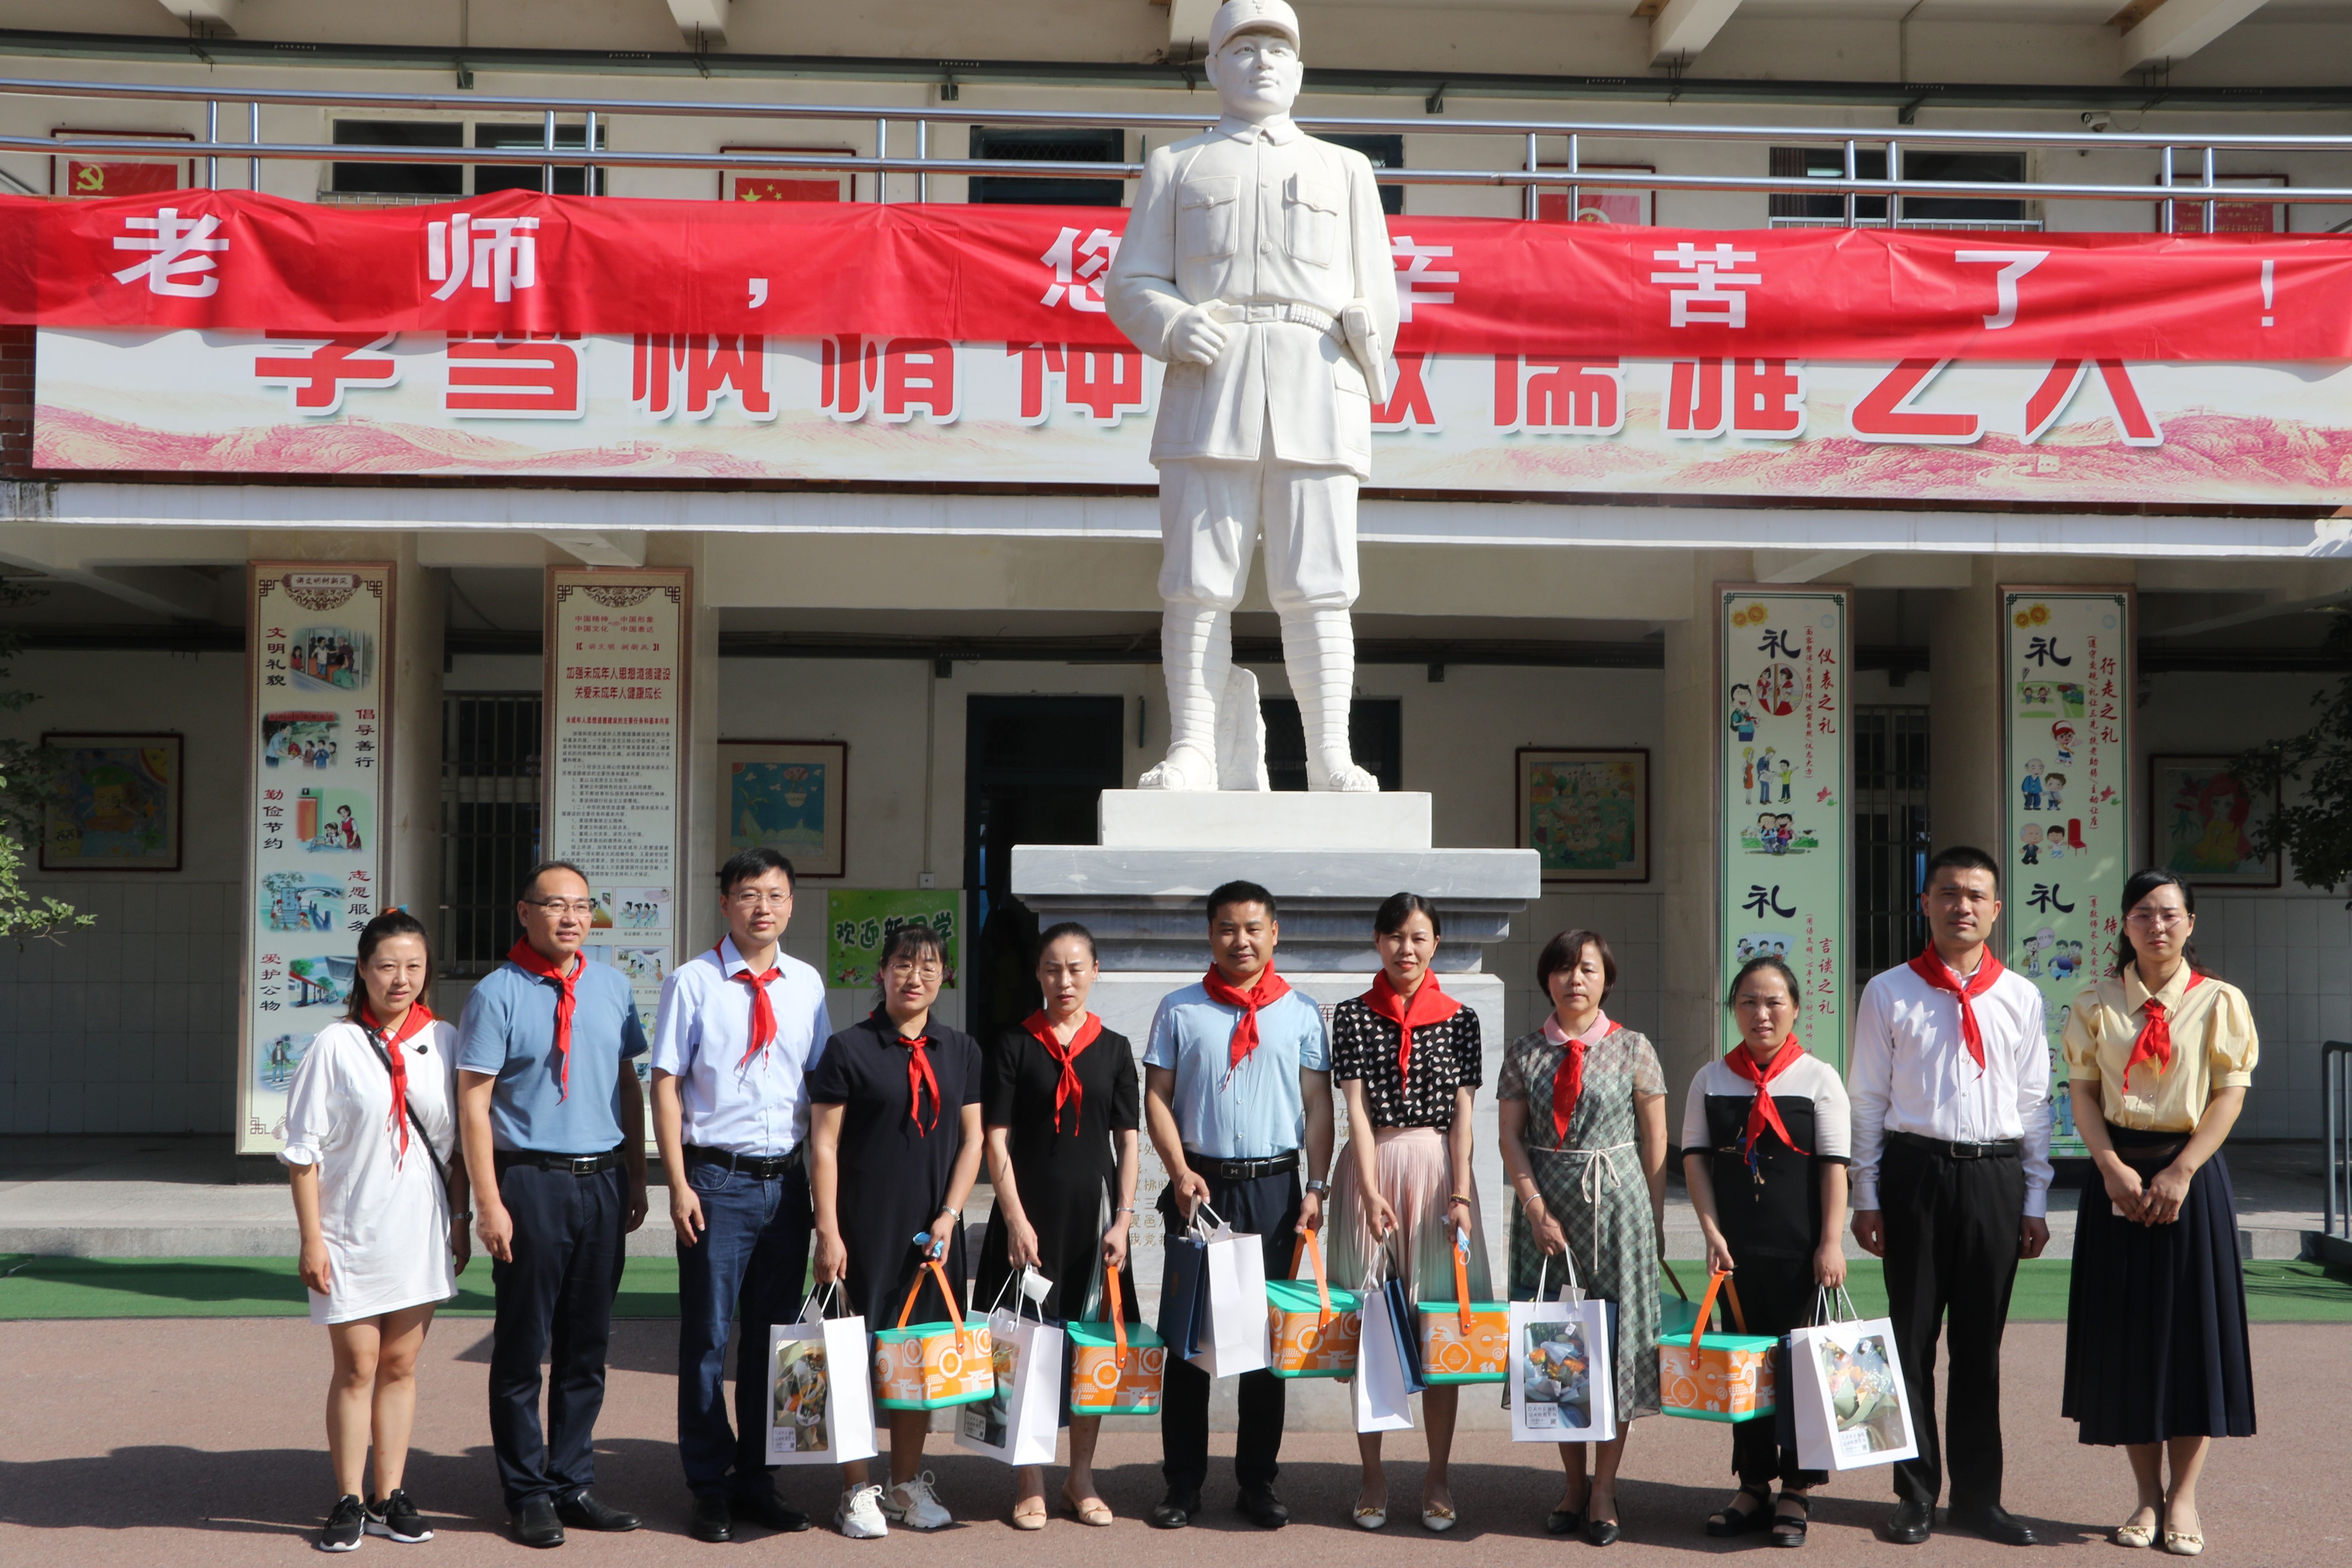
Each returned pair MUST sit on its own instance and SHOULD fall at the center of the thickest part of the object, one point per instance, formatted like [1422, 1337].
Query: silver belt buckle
[584, 1164]
[1968, 1151]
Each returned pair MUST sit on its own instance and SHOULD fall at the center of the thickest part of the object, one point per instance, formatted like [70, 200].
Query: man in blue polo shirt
[555, 1143]
[739, 1029]
[1237, 1091]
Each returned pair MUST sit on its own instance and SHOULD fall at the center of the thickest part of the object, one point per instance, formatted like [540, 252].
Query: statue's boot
[1196, 650]
[1319, 648]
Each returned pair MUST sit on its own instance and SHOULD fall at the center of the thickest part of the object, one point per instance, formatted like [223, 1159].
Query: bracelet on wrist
[1458, 1198]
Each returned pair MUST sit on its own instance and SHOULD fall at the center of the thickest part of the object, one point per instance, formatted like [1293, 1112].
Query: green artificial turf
[2276, 1293]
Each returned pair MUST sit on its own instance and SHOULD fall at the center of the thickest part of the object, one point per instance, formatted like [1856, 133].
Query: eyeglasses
[2157, 920]
[924, 968]
[753, 898]
[564, 906]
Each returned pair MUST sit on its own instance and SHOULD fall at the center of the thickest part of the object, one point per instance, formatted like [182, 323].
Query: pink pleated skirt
[1414, 1170]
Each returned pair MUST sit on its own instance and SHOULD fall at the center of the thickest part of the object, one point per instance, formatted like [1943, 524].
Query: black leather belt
[766, 1167]
[2001, 1149]
[561, 1164]
[1241, 1169]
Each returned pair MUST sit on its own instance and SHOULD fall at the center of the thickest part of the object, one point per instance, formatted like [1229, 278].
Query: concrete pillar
[1683, 831]
[420, 600]
[698, 919]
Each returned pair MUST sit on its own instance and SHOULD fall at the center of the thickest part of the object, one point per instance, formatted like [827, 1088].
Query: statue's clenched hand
[1197, 337]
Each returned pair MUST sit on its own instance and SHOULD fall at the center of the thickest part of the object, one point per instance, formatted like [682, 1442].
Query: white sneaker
[916, 1506]
[858, 1514]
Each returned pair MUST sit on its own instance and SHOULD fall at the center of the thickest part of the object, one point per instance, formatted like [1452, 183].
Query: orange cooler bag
[1314, 1330]
[1717, 1377]
[1117, 1368]
[1463, 1340]
[931, 1365]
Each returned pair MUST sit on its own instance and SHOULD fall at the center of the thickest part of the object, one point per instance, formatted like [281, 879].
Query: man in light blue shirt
[555, 1144]
[1237, 1091]
[740, 1028]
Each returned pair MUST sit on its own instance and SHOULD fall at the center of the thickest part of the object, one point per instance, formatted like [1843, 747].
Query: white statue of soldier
[1257, 263]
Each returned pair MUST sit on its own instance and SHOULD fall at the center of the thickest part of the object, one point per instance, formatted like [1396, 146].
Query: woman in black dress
[2160, 1056]
[1766, 1134]
[894, 1144]
[1062, 1108]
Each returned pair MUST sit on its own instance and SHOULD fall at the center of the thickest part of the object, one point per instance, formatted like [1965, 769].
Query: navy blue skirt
[2155, 1315]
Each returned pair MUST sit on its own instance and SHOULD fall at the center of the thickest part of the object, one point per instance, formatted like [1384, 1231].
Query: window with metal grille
[489, 824]
[488, 177]
[1386, 152]
[1917, 212]
[1890, 836]
[426, 181]
[1053, 145]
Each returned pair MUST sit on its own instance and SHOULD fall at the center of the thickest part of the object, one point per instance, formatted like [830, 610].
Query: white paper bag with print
[1238, 1340]
[1019, 1423]
[1382, 1391]
[1563, 1383]
[820, 1403]
[1852, 1406]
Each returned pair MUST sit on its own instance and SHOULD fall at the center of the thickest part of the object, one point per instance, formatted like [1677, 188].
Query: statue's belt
[1362, 343]
[1302, 315]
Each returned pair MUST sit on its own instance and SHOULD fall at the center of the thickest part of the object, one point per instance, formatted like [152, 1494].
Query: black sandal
[1789, 1528]
[1729, 1520]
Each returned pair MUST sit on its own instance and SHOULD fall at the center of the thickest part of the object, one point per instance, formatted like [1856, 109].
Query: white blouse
[386, 1217]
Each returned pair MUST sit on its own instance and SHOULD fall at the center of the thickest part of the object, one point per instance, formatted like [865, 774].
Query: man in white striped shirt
[1951, 1085]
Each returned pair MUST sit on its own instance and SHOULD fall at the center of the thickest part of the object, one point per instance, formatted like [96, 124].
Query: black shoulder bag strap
[423, 1137]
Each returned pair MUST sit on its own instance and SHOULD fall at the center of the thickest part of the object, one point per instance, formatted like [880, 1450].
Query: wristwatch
[1319, 1186]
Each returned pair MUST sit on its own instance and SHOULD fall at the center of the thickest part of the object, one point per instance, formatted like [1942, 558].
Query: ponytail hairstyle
[389, 924]
[1398, 908]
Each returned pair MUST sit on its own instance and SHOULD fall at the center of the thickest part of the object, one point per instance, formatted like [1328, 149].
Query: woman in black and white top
[1408, 1058]
[371, 1151]
[1766, 1134]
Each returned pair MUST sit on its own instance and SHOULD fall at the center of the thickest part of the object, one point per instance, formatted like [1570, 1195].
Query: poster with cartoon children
[2066, 744]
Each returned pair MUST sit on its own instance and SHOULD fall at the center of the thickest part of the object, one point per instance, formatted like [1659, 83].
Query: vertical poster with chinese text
[319, 672]
[615, 759]
[2066, 753]
[1781, 797]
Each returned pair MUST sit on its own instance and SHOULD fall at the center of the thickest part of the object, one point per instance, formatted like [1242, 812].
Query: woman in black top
[1409, 1059]
[1062, 1108]
[894, 1144]
[1766, 1133]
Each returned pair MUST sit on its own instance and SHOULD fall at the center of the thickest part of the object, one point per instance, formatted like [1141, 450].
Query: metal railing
[1526, 137]
[2336, 1116]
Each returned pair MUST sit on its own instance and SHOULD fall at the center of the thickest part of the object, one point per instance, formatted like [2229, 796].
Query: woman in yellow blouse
[2159, 1055]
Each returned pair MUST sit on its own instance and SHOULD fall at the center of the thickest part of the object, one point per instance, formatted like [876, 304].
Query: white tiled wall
[2292, 955]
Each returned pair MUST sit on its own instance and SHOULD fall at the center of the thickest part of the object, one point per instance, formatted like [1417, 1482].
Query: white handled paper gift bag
[1233, 1340]
[1564, 1377]
[1386, 1377]
[1019, 1423]
[1852, 1406]
[820, 1404]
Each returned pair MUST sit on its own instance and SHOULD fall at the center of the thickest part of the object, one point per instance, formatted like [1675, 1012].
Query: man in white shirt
[740, 1028]
[1951, 1085]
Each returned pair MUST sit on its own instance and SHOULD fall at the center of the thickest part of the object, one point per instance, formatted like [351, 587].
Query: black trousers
[554, 1305]
[1951, 1250]
[747, 1269]
[1266, 1207]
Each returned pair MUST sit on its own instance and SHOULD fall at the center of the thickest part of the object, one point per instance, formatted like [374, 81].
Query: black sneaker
[396, 1519]
[346, 1523]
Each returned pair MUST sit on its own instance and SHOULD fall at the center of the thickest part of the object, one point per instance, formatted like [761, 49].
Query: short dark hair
[1398, 908]
[1566, 951]
[1240, 893]
[2141, 884]
[750, 865]
[914, 939]
[372, 935]
[1960, 857]
[1054, 933]
[1763, 960]
[541, 870]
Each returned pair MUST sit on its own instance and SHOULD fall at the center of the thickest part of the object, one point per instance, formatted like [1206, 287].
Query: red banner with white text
[514, 264]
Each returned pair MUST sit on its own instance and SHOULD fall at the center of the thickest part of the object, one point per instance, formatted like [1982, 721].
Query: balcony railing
[1531, 166]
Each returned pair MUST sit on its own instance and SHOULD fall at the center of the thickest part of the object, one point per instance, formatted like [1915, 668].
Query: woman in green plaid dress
[1583, 1113]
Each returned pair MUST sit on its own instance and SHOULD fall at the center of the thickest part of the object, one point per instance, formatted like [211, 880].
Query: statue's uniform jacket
[1257, 214]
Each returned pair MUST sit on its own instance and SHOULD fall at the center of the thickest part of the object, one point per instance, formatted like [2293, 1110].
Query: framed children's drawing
[2202, 822]
[789, 795]
[114, 802]
[1586, 813]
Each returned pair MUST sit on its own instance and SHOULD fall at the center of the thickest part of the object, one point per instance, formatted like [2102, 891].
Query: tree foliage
[2313, 826]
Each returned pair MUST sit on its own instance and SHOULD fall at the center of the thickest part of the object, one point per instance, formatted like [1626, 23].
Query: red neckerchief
[1269, 988]
[1930, 967]
[419, 1015]
[763, 1012]
[1067, 1090]
[1763, 1113]
[1568, 1078]
[919, 1075]
[2155, 1042]
[531, 962]
[1428, 1004]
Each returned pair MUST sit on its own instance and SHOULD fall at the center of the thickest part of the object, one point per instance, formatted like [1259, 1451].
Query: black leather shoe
[535, 1524]
[581, 1510]
[769, 1510]
[1175, 1510]
[1601, 1531]
[1996, 1524]
[1909, 1523]
[1263, 1508]
[713, 1519]
[1564, 1521]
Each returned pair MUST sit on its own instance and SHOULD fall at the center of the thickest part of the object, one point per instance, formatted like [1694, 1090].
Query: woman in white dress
[372, 1150]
